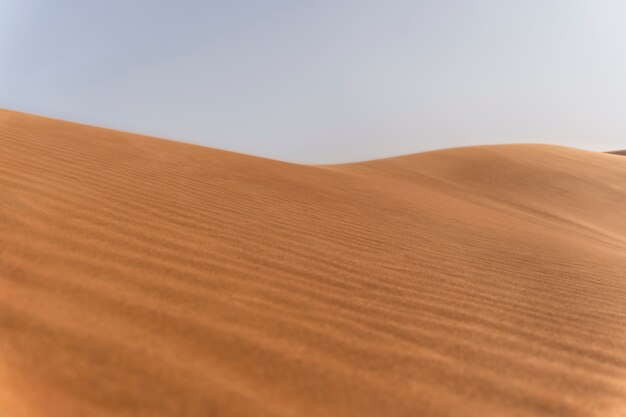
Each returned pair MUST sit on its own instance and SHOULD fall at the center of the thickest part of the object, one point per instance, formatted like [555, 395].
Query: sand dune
[143, 277]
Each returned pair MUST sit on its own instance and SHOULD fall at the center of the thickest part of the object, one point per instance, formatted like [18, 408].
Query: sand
[144, 277]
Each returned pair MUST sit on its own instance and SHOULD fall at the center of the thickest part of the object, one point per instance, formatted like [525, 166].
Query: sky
[324, 81]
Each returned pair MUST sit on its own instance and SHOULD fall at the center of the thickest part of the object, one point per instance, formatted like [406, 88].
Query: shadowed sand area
[143, 277]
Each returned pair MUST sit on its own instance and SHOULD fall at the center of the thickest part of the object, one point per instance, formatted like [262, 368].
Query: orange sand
[143, 277]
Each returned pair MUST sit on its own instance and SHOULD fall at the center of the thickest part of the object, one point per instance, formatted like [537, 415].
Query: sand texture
[144, 277]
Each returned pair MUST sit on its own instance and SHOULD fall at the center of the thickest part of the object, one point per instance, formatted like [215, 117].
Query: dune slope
[143, 277]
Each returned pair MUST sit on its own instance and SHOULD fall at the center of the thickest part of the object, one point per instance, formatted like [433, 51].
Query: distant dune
[619, 152]
[144, 277]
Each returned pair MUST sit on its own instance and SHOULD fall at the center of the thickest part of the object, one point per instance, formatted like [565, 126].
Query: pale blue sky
[324, 81]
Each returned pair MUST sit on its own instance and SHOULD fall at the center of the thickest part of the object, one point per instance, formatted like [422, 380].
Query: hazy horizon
[326, 81]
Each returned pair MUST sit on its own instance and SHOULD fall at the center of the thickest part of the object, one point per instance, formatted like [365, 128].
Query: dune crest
[144, 277]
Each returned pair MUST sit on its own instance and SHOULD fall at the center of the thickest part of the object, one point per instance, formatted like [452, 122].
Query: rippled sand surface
[143, 277]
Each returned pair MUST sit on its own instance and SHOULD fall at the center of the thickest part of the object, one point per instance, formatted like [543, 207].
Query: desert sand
[145, 277]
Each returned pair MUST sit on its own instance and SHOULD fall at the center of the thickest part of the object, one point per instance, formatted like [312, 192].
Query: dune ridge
[145, 277]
